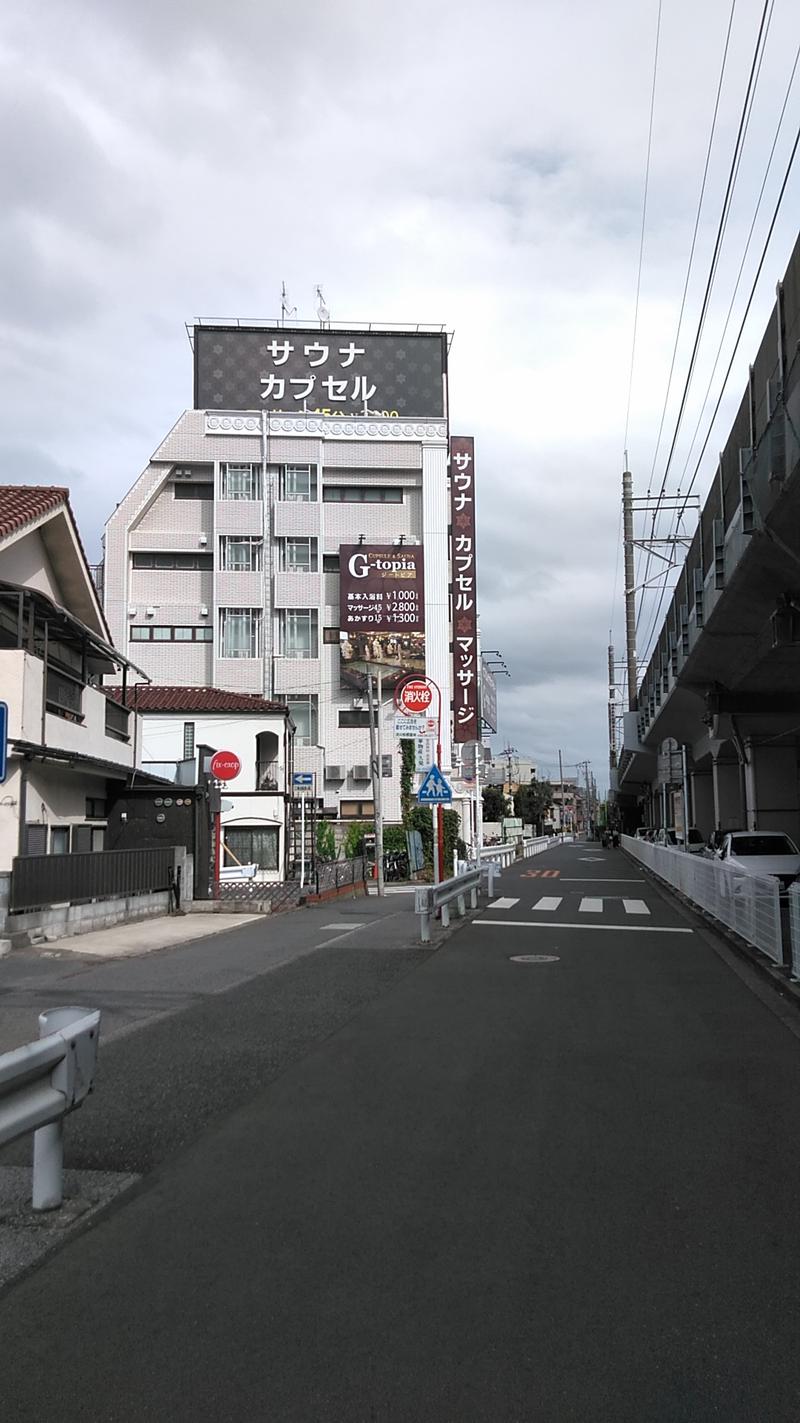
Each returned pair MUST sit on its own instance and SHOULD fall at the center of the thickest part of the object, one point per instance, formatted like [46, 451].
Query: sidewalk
[144, 936]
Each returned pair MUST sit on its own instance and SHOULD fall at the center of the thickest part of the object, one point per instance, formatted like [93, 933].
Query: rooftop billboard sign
[285, 369]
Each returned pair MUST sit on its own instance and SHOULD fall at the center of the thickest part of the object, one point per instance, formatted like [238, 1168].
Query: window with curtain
[304, 715]
[300, 555]
[239, 555]
[252, 845]
[240, 632]
[299, 483]
[241, 481]
[299, 632]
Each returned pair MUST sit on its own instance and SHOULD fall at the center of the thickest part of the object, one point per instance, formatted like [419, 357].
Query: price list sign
[381, 611]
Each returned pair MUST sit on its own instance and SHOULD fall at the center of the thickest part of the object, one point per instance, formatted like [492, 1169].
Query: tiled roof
[194, 699]
[21, 504]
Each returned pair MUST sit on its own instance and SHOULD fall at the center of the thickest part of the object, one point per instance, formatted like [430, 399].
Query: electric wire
[685, 496]
[755, 70]
[741, 265]
[644, 221]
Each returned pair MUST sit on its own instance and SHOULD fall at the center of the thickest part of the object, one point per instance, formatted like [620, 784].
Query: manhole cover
[534, 958]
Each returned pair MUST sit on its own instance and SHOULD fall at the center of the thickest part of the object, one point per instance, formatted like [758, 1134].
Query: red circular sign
[225, 765]
[414, 696]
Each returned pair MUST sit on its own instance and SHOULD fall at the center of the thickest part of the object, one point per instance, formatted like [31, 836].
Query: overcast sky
[480, 166]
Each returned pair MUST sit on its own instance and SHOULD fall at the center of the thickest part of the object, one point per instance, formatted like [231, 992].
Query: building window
[241, 555]
[96, 808]
[241, 481]
[147, 633]
[330, 563]
[353, 718]
[304, 715]
[252, 845]
[357, 809]
[362, 494]
[64, 696]
[300, 555]
[188, 740]
[170, 561]
[331, 635]
[298, 482]
[197, 490]
[240, 632]
[88, 839]
[299, 631]
[59, 840]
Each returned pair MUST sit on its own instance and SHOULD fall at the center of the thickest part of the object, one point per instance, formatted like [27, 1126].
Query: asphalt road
[560, 1190]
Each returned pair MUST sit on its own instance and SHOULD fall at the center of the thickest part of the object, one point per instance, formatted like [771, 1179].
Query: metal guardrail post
[43, 1081]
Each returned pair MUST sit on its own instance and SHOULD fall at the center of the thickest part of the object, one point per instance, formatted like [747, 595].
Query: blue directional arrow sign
[435, 790]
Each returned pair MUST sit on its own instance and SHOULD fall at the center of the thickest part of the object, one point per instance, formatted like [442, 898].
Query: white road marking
[612, 928]
[590, 906]
[549, 903]
[503, 903]
[590, 879]
[635, 906]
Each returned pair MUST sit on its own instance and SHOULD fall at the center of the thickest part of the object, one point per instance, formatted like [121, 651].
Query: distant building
[223, 562]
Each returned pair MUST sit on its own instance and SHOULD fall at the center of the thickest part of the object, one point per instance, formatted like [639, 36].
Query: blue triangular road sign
[434, 790]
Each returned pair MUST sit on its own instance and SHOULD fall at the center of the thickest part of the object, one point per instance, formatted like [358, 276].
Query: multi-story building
[222, 563]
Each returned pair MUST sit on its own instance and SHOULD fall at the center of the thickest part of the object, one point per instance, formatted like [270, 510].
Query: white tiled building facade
[221, 569]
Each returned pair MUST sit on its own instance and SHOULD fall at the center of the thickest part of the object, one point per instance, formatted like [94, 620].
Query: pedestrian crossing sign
[434, 789]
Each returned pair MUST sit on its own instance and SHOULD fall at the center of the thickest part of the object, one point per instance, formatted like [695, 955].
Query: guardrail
[39, 1084]
[748, 904]
[794, 928]
[431, 897]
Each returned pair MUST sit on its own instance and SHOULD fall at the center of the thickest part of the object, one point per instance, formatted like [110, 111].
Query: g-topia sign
[289, 370]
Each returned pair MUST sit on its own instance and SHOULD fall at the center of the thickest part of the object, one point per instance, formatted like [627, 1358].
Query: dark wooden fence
[39, 881]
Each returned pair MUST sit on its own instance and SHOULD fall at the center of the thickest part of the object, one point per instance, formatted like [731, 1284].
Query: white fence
[794, 928]
[748, 904]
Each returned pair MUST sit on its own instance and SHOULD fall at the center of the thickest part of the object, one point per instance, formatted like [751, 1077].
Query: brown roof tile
[194, 699]
[21, 504]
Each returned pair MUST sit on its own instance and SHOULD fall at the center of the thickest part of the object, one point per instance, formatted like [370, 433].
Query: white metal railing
[794, 928]
[748, 904]
[431, 897]
[40, 1083]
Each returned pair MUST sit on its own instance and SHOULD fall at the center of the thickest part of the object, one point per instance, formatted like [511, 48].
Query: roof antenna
[322, 310]
[286, 309]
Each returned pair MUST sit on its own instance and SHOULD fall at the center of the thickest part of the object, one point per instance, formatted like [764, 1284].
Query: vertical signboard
[488, 698]
[466, 712]
[381, 611]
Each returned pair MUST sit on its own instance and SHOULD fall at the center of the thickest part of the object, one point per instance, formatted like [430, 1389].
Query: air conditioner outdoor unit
[360, 773]
[334, 773]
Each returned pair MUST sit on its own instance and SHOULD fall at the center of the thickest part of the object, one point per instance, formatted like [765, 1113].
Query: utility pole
[509, 752]
[376, 771]
[612, 708]
[561, 789]
[630, 589]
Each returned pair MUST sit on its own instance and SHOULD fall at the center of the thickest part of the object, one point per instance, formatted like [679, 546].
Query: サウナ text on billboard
[466, 713]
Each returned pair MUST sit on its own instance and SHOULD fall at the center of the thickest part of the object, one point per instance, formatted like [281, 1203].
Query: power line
[741, 265]
[683, 303]
[755, 69]
[644, 221]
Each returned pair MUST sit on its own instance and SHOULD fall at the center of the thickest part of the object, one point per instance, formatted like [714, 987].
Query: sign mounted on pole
[414, 697]
[434, 789]
[302, 780]
[225, 765]
[466, 712]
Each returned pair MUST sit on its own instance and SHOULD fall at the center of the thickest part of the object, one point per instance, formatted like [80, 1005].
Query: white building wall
[342, 452]
[26, 562]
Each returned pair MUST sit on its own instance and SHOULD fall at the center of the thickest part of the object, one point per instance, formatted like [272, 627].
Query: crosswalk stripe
[503, 903]
[590, 906]
[549, 903]
[635, 906]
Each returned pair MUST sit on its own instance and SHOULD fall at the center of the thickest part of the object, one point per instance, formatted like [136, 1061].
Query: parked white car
[761, 852]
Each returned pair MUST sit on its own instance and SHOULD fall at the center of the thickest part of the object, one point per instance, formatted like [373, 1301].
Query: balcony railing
[268, 774]
[117, 721]
[64, 697]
